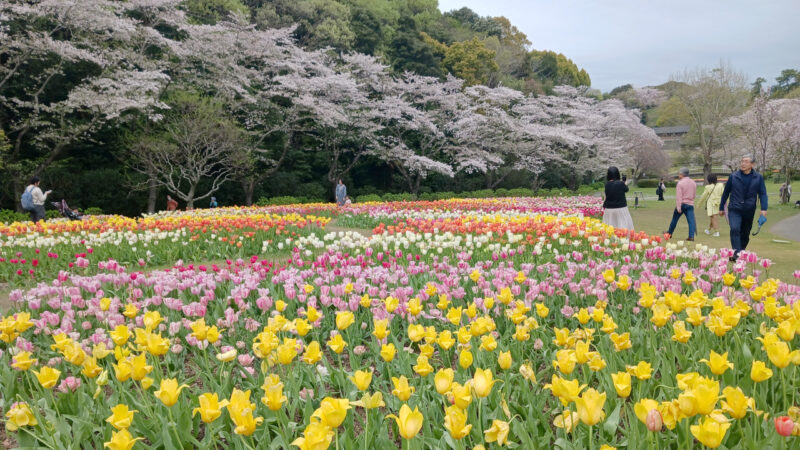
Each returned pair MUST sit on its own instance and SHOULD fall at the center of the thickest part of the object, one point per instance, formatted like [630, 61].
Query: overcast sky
[643, 42]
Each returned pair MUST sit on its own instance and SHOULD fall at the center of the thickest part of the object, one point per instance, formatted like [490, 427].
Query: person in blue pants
[685, 192]
[742, 189]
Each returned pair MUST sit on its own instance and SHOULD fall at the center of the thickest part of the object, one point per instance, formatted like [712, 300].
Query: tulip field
[466, 323]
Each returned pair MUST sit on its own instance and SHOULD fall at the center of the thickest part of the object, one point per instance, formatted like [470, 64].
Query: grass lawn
[654, 217]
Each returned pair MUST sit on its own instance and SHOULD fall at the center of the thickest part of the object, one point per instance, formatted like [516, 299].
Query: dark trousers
[37, 213]
[661, 196]
[741, 223]
[687, 210]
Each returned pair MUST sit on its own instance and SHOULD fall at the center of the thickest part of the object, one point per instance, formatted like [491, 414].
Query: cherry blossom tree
[69, 68]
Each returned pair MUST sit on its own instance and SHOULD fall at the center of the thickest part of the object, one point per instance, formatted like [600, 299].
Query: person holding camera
[33, 200]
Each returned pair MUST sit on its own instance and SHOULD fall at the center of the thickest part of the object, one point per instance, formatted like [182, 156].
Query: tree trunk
[190, 196]
[152, 195]
[706, 168]
[249, 187]
[17, 194]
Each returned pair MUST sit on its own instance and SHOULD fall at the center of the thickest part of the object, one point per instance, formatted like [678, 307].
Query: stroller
[66, 211]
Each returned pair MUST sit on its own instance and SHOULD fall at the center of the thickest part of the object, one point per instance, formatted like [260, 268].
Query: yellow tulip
[388, 351]
[370, 401]
[246, 423]
[641, 371]
[287, 351]
[780, 355]
[455, 421]
[391, 304]
[498, 432]
[100, 351]
[280, 305]
[121, 417]
[408, 422]
[609, 275]
[273, 396]
[566, 420]
[423, 367]
[228, 356]
[482, 382]
[312, 354]
[48, 377]
[527, 372]
[582, 315]
[465, 358]
[121, 440]
[302, 326]
[90, 368]
[735, 403]
[445, 340]
[120, 335]
[644, 406]
[210, 407]
[337, 344]
[381, 328]
[565, 361]
[73, 353]
[362, 379]
[169, 391]
[414, 306]
[316, 436]
[22, 361]
[760, 372]
[622, 383]
[130, 311]
[504, 360]
[542, 310]
[710, 432]
[717, 363]
[680, 333]
[621, 341]
[443, 380]
[416, 332]
[344, 319]
[20, 415]
[139, 368]
[402, 390]
[590, 406]
[488, 343]
[460, 395]
[332, 411]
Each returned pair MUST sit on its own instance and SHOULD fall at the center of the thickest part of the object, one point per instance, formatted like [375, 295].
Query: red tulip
[784, 425]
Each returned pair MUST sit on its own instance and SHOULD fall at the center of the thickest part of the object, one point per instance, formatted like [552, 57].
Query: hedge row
[483, 193]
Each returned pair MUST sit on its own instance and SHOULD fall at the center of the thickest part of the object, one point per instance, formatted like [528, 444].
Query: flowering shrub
[493, 328]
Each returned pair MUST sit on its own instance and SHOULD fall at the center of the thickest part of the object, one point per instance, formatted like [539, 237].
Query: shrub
[483, 193]
[52, 214]
[520, 192]
[93, 211]
[8, 216]
[368, 198]
[398, 197]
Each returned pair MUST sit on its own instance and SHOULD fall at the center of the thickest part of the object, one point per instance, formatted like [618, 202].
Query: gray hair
[748, 156]
[684, 171]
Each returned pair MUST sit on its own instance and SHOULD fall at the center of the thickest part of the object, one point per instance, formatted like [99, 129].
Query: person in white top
[38, 198]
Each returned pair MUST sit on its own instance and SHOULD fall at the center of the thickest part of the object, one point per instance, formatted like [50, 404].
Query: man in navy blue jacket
[743, 188]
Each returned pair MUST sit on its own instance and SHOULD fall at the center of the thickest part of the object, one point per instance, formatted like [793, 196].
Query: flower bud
[654, 421]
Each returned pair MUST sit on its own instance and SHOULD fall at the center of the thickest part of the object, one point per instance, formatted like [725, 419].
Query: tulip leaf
[612, 423]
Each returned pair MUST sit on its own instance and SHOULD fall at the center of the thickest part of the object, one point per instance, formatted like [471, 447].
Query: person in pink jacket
[685, 193]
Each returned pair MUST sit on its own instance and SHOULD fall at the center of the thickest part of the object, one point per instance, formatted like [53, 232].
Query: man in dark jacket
[742, 189]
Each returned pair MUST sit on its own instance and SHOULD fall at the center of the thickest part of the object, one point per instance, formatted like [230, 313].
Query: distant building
[672, 136]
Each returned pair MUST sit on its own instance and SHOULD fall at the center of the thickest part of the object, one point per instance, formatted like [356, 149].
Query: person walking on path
[341, 193]
[743, 188]
[661, 189]
[172, 204]
[615, 212]
[712, 195]
[33, 200]
[685, 192]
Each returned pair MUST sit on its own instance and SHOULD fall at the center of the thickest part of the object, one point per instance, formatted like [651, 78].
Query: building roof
[680, 129]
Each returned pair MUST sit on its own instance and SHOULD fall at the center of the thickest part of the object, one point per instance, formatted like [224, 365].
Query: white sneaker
[716, 234]
[707, 232]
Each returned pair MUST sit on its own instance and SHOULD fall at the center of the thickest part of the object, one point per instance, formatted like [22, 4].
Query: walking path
[788, 228]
